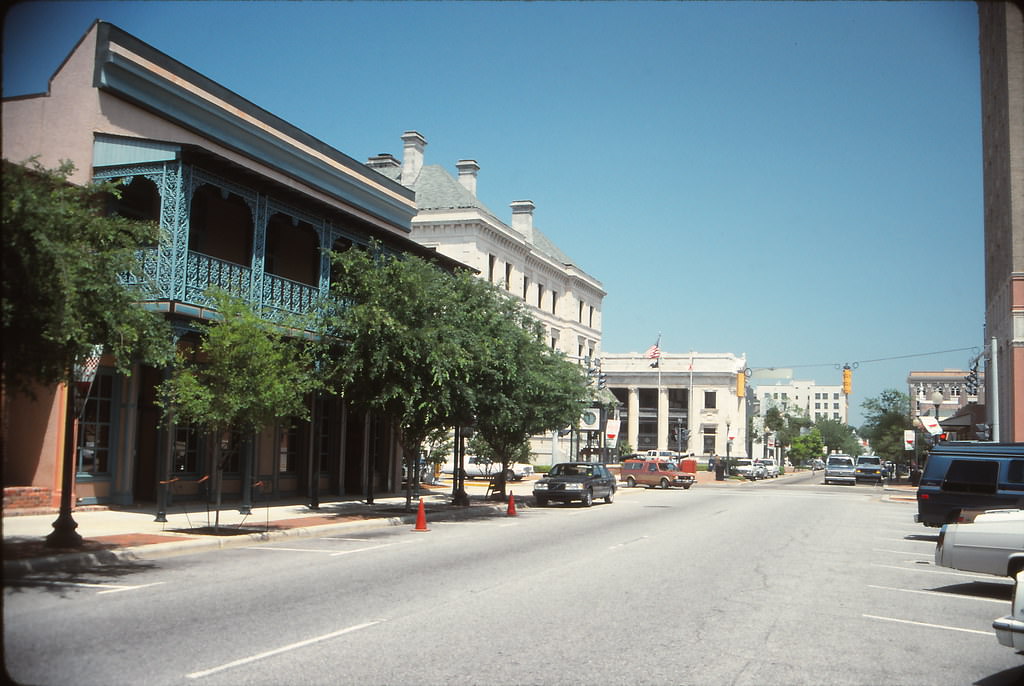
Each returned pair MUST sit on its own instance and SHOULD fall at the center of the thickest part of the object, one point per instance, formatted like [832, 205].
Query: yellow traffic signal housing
[741, 385]
[847, 381]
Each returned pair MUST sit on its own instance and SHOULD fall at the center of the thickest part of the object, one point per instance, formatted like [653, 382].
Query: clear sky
[797, 181]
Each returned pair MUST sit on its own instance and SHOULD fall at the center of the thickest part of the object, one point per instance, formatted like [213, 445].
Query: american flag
[654, 352]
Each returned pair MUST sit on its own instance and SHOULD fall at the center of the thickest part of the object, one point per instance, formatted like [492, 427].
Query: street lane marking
[625, 543]
[282, 649]
[361, 550]
[928, 570]
[129, 588]
[287, 550]
[939, 593]
[932, 626]
[343, 538]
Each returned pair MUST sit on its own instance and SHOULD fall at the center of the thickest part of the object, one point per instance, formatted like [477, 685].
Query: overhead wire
[838, 365]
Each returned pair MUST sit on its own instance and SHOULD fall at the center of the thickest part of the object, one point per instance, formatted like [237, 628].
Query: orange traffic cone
[421, 519]
[511, 505]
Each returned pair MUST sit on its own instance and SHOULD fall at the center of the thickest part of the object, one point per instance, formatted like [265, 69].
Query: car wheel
[610, 498]
[588, 498]
[686, 487]
[542, 502]
[630, 482]
[510, 476]
[664, 483]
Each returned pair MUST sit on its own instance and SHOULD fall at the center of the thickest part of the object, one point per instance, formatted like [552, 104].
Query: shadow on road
[979, 589]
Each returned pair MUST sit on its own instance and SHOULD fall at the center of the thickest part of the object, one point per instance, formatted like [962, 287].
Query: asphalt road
[778, 582]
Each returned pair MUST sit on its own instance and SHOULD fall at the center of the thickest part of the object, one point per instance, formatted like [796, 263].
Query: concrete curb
[155, 551]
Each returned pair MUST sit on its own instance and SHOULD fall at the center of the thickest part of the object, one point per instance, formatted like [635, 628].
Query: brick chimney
[522, 218]
[412, 156]
[467, 174]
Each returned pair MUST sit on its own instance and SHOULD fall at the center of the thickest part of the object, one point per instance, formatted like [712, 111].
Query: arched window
[293, 250]
[220, 225]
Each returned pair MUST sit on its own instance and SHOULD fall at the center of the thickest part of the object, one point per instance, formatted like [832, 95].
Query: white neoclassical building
[516, 256]
[686, 392]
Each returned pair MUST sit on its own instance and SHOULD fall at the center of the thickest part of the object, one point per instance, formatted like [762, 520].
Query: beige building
[686, 392]
[514, 255]
[1001, 37]
[815, 401]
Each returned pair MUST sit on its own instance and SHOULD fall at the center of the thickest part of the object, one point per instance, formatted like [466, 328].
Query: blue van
[969, 476]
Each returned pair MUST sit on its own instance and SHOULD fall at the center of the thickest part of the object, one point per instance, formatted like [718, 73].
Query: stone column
[663, 418]
[633, 428]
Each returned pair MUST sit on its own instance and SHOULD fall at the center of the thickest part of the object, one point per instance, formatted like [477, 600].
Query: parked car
[816, 465]
[1010, 629]
[840, 469]
[568, 481]
[962, 476]
[992, 544]
[652, 473]
[749, 469]
[868, 468]
[771, 468]
[476, 466]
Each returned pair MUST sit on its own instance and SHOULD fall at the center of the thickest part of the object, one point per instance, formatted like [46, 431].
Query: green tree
[395, 332]
[806, 447]
[886, 417]
[838, 437]
[244, 376]
[62, 288]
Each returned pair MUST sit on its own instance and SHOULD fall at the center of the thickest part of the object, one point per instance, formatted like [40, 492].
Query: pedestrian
[711, 463]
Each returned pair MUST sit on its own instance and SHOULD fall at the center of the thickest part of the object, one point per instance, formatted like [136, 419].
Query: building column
[633, 428]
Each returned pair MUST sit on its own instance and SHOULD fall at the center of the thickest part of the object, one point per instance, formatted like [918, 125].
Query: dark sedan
[582, 481]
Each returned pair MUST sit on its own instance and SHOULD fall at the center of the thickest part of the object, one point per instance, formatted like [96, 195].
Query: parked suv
[868, 468]
[962, 476]
[652, 473]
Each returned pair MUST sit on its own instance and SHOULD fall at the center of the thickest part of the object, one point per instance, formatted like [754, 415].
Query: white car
[992, 544]
[749, 469]
[1010, 629]
[483, 467]
[771, 468]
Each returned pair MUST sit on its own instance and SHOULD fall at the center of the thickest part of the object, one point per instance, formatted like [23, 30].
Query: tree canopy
[63, 260]
[886, 416]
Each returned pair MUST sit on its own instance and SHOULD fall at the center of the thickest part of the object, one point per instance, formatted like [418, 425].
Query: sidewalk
[121, 534]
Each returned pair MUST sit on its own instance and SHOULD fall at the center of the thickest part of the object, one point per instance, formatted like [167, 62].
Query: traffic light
[602, 380]
[847, 380]
[675, 435]
[741, 384]
[685, 436]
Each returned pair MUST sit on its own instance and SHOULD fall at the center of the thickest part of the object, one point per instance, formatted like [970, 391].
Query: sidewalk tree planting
[394, 344]
[806, 448]
[245, 374]
[63, 260]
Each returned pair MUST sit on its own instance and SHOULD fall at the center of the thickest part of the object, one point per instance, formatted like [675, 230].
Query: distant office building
[516, 256]
[950, 396]
[812, 400]
[685, 392]
[1001, 41]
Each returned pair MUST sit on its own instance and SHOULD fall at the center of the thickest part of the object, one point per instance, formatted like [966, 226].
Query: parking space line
[939, 593]
[282, 649]
[287, 550]
[361, 550]
[930, 569]
[902, 552]
[931, 626]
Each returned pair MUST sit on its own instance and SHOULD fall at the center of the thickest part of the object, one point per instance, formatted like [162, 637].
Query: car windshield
[840, 462]
[869, 460]
[742, 463]
[572, 470]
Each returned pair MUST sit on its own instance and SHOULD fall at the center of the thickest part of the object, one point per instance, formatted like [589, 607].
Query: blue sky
[800, 182]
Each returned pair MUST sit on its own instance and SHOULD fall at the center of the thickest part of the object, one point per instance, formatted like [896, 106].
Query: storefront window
[94, 427]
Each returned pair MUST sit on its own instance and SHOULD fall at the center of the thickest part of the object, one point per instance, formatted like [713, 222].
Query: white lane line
[903, 552]
[108, 588]
[939, 593]
[282, 649]
[625, 543]
[361, 550]
[130, 588]
[287, 550]
[343, 538]
[929, 569]
[931, 626]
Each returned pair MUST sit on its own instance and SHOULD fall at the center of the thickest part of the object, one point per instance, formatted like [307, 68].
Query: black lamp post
[64, 534]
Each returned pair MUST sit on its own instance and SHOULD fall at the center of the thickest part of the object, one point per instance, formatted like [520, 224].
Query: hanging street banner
[611, 430]
[908, 439]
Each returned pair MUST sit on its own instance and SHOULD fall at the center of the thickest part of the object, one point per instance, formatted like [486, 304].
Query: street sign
[908, 439]
[611, 429]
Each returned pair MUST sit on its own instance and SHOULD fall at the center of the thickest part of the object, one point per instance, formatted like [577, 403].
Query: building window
[835, 415]
[835, 396]
[581, 311]
[186, 449]
[785, 396]
[94, 428]
[710, 399]
[835, 406]
[492, 263]
[710, 434]
[288, 449]
[526, 287]
[540, 295]
[591, 323]
[554, 302]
